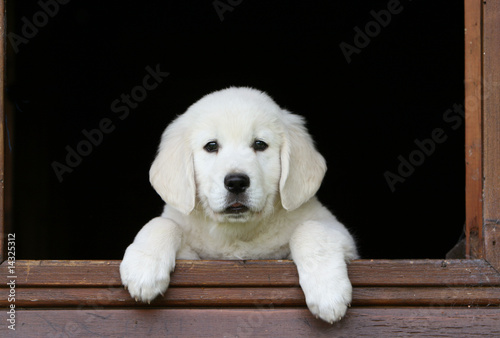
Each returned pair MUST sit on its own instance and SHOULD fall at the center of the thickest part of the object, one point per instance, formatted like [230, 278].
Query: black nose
[237, 183]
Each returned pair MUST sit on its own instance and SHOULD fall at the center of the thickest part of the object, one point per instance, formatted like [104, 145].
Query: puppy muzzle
[236, 184]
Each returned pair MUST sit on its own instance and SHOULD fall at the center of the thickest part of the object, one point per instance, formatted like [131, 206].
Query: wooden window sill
[396, 292]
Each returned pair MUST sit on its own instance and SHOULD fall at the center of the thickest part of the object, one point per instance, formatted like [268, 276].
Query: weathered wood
[249, 297]
[422, 273]
[259, 273]
[491, 124]
[257, 322]
[492, 242]
[473, 130]
[174, 297]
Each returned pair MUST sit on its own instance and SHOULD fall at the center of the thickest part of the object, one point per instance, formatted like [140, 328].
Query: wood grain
[258, 273]
[359, 322]
[473, 130]
[248, 297]
[491, 123]
[492, 242]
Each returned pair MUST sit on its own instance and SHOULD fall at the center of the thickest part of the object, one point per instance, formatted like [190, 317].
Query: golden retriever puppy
[239, 177]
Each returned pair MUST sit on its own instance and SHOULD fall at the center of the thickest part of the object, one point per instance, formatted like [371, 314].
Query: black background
[363, 114]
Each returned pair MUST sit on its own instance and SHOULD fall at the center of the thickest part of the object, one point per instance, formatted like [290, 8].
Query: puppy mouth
[236, 208]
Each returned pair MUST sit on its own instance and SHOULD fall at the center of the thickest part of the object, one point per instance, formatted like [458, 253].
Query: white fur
[284, 219]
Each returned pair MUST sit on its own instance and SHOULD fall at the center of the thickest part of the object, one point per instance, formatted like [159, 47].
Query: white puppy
[239, 175]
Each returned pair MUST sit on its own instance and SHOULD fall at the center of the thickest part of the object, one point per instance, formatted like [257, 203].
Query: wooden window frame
[255, 296]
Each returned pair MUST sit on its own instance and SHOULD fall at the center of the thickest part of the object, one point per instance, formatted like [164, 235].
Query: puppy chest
[209, 248]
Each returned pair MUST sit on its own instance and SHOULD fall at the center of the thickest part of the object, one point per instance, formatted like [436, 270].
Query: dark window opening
[380, 84]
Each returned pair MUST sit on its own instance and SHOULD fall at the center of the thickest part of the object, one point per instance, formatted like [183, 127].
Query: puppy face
[234, 155]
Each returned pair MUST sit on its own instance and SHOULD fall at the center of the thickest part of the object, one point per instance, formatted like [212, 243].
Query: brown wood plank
[259, 273]
[422, 272]
[491, 122]
[249, 297]
[426, 296]
[174, 297]
[473, 129]
[360, 322]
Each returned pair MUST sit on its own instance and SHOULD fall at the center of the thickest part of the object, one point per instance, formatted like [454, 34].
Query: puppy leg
[320, 253]
[148, 261]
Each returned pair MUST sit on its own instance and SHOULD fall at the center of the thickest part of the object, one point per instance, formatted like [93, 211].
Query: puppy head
[234, 155]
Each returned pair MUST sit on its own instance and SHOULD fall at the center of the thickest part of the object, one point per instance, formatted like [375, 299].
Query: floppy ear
[172, 172]
[302, 166]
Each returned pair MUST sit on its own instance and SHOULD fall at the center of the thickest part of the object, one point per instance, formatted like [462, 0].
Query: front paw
[144, 274]
[327, 297]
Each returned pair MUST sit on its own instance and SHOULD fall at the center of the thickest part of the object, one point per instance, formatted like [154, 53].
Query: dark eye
[211, 147]
[259, 145]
